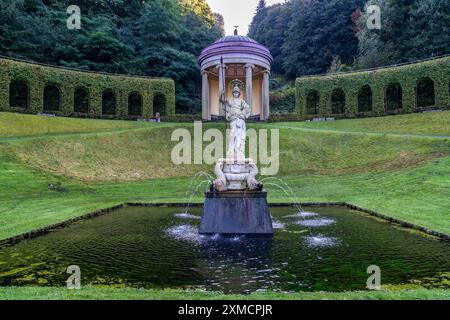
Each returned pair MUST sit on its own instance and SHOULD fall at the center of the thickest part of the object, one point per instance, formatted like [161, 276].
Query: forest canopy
[160, 38]
[317, 36]
[163, 38]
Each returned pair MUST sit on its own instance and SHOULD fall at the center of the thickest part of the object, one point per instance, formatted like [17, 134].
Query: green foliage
[410, 30]
[315, 37]
[172, 48]
[282, 102]
[67, 81]
[268, 28]
[305, 36]
[408, 76]
[158, 38]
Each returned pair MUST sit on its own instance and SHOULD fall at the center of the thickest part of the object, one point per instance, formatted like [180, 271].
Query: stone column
[249, 84]
[265, 92]
[206, 112]
[221, 85]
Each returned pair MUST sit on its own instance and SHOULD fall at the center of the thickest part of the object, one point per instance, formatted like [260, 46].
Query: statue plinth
[236, 213]
[237, 203]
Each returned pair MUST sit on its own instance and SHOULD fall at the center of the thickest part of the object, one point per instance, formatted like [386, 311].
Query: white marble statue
[236, 172]
[237, 111]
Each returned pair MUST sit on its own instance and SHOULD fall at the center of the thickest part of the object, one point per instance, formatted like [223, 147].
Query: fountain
[237, 201]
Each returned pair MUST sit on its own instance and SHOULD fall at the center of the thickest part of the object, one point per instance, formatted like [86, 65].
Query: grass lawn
[431, 123]
[398, 166]
[105, 293]
[13, 125]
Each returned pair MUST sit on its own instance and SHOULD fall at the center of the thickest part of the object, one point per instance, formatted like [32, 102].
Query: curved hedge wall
[37, 77]
[409, 77]
[282, 102]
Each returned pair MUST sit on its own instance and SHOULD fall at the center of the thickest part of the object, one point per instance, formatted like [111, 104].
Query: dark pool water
[323, 249]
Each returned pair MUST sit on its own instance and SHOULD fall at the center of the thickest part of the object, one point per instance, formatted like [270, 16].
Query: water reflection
[245, 263]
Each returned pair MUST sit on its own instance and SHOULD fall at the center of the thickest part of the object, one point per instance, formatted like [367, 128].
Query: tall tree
[410, 30]
[429, 29]
[152, 37]
[319, 31]
[254, 29]
[305, 36]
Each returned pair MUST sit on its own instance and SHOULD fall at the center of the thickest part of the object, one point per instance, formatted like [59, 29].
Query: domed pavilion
[243, 59]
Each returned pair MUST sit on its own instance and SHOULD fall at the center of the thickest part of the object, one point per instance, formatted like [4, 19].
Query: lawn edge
[126, 293]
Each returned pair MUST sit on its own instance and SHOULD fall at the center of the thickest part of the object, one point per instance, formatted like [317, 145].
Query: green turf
[146, 153]
[418, 195]
[108, 293]
[24, 125]
[431, 123]
[403, 173]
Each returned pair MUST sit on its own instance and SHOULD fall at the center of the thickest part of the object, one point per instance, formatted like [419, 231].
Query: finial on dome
[236, 30]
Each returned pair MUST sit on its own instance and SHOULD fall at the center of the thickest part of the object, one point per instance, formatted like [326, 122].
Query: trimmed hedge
[285, 117]
[67, 81]
[282, 102]
[183, 118]
[408, 76]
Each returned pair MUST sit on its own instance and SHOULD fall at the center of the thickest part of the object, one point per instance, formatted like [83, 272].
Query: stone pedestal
[236, 212]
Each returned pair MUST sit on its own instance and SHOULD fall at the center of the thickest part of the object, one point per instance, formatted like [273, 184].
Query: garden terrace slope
[403, 177]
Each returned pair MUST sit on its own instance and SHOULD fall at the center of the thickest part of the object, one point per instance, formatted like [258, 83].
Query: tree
[172, 48]
[152, 38]
[428, 29]
[411, 30]
[319, 31]
[254, 29]
[269, 29]
[304, 36]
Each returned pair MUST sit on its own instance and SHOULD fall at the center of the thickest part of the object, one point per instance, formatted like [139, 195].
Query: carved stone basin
[236, 175]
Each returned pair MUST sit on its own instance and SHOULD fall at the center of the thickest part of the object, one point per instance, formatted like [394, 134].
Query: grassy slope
[88, 157]
[405, 177]
[432, 123]
[22, 125]
[96, 293]
[418, 195]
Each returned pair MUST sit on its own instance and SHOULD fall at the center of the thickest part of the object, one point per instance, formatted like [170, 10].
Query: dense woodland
[152, 38]
[165, 37]
[319, 36]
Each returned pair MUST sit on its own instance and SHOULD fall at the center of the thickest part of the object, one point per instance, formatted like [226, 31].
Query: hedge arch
[68, 81]
[81, 101]
[393, 97]
[159, 104]
[52, 98]
[109, 103]
[365, 99]
[135, 104]
[19, 95]
[312, 102]
[407, 76]
[425, 96]
[338, 102]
